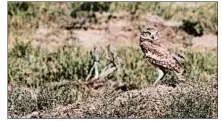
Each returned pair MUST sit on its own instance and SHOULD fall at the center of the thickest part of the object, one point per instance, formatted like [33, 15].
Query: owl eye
[147, 34]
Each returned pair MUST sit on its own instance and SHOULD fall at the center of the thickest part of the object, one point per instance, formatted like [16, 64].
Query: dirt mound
[151, 102]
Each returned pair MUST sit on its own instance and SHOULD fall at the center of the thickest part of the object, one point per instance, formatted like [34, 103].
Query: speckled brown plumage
[158, 55]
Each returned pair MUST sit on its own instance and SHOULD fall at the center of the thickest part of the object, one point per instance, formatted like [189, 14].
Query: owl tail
[178, 56]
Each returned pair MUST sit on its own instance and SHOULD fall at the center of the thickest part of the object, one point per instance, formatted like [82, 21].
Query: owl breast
[154, 50]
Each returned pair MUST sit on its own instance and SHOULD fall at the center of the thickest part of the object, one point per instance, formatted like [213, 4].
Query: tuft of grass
[36, 67]
[201, 66]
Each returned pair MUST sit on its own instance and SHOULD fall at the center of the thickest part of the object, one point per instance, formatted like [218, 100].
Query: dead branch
[112, 63]
[95, 57]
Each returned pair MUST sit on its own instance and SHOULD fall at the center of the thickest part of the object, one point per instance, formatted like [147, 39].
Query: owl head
[150, 33]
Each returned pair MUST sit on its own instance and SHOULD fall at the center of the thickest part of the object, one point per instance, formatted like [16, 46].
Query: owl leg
[161, 74]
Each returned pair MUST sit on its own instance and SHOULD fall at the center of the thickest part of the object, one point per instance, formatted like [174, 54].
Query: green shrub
[40, 66]
[192, 27]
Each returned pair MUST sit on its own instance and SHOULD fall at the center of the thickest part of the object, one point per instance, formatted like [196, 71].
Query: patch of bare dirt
[206, 41]
[51, 38]
[120, 29]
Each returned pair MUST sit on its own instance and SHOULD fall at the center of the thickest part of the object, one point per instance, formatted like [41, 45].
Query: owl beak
[156, 38]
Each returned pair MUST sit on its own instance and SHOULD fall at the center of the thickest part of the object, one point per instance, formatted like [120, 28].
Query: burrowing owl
[158, 55]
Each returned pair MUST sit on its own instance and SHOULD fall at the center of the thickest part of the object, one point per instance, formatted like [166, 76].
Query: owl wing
[160, 55]
[156, 51]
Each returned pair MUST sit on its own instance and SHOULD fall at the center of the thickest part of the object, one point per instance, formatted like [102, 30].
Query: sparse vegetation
[41, 80]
